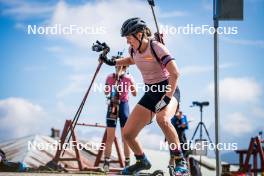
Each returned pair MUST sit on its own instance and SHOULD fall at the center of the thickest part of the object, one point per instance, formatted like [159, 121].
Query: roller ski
[155, 173]
[181, 169]
[141, 164]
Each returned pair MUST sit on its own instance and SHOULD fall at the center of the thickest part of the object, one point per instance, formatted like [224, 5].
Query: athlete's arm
[173, 77]
[118, 62]
[133, 89]
[107, 86]
[170, 64]
[125, 61]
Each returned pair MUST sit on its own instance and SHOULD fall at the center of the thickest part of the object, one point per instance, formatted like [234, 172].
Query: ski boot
[127, 162]
[181, 168]
[141, 164]
[172, 170]
[106, 165]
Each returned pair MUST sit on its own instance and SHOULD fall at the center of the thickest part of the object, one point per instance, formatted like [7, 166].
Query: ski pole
[152, 5]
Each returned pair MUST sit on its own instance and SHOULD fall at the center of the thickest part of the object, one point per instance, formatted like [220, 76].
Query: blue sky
[44, 77]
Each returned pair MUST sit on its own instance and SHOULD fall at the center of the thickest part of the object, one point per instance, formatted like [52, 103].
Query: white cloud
[238, 90]
[193, 69]
[150, 140]
[64, 109]
[196, 69]
[55, 49]
[77, 63]
[79, 81]
[237, 124]
[77, 85]
[22, 10]
[108, 14]
[173, 14]
[207, 5]
[258, 112]
[20, 117]
[256, 43]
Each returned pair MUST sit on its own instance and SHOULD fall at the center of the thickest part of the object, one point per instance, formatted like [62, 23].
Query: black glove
[107, 61]
[162, 103]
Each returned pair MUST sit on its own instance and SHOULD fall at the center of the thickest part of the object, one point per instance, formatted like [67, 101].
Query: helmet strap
[140, 41]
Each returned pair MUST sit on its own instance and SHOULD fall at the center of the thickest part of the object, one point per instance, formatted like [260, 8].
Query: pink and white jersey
[125, 82]
[151, 70]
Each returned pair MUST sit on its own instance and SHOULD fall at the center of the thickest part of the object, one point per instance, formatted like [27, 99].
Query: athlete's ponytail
[147, 32]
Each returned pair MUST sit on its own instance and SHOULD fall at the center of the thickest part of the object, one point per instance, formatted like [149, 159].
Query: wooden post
[57, 158]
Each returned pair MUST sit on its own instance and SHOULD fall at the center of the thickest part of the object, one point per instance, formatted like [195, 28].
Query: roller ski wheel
[140, 173]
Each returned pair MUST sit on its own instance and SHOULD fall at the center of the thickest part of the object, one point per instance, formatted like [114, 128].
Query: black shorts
[153, 95]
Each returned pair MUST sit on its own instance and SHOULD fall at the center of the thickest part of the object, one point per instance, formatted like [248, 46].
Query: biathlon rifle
[158, 35]
[113, 107]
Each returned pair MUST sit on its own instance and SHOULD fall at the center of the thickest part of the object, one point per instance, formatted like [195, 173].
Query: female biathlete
[157, 100]
[125, 84]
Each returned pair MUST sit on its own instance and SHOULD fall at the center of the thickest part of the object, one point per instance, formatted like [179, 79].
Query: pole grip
[151, 3]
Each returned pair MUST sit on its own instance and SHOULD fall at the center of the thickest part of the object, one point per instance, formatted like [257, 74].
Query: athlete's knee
[163, 122]
[128, 136]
